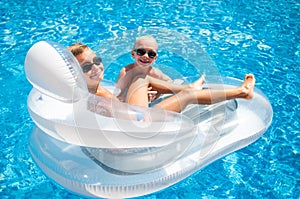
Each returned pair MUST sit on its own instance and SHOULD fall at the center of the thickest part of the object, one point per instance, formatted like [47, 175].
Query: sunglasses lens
[97, 60]
[151, 54]
[141, 52]
[86, 68]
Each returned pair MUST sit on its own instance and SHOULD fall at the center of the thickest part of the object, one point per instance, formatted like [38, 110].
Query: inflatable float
[96, 147]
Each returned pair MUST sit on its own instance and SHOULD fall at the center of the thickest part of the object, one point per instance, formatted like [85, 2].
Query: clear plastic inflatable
[97, 147]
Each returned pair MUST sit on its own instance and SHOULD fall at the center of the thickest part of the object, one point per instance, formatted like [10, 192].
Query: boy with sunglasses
[92, 68]
[145, 54]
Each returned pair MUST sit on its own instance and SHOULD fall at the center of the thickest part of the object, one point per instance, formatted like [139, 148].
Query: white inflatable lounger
[96, 147]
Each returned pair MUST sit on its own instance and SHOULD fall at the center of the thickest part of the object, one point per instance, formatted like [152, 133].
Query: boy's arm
[154, 94]
[122, 73]
[160, 75]
[124, 80]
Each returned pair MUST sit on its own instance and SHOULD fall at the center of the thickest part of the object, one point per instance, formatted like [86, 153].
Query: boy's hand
[152, 94]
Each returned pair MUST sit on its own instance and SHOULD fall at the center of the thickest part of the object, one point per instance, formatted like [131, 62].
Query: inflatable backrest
[54, 71]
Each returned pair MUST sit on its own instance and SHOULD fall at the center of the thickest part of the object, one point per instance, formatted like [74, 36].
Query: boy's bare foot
[198, 84]
[248, 86]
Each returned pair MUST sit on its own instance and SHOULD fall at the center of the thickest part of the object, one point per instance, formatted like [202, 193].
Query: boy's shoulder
[155, 70]
[128, 67]
[157, 73]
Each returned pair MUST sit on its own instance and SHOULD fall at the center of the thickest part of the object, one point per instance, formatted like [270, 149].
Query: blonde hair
[143, 38]
[78, 48]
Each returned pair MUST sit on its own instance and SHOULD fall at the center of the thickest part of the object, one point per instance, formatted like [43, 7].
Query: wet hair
[143, 38]
[78, 48]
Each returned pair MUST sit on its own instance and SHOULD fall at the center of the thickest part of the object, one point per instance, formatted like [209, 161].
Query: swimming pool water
[256, 36]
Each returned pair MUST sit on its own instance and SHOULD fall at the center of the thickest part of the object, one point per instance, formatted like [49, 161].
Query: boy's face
[145, 53]
[92, 67]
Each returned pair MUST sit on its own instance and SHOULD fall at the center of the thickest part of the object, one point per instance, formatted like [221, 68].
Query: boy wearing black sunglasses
[145, 54]
[92, 68]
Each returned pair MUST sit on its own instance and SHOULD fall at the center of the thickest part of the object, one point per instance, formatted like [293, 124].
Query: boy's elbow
[168, 79]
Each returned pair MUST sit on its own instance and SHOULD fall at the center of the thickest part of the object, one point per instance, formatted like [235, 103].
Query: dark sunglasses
[86, 67]
[142, 51]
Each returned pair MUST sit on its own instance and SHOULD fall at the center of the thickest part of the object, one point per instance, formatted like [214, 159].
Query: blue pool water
[256, 36]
